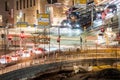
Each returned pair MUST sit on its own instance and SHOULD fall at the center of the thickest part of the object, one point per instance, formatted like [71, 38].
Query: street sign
[22, 24]
[80, 1]
[43, 19]
[0, 20]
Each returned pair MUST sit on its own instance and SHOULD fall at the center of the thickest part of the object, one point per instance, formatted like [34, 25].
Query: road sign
[43, 19]
[22, 24]
[0, 20]
[80, 1]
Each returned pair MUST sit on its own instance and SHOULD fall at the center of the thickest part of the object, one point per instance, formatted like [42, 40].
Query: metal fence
[55, 61]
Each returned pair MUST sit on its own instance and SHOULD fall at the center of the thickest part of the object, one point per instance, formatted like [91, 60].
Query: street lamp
[80, 42]
[90, 6]
[85, 35]
[59, 36]
[5, 37]
[9, 40]
[92, 16]
[119, 22]
[96, 51]
[2, 36]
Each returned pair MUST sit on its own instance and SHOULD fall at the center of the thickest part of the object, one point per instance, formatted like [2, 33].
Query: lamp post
[2, 36]
[80, 42]
[96, 51]
[116, 55]
[49, 28]
[8, 37]
[21, 38]
[58, 39]
[85, 34]
[5, 38]
[92, 13]
[119, 22]
[92, 17]
[19, 19]
[9, 40]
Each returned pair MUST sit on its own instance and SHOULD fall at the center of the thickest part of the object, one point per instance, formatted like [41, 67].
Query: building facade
[6, 12]
[25, 11]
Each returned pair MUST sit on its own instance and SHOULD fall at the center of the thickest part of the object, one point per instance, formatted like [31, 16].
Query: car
[39, 50]
[4, 59]
[14, 57]
[26, 54]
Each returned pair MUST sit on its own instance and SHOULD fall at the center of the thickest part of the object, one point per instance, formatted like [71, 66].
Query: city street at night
[59, 40]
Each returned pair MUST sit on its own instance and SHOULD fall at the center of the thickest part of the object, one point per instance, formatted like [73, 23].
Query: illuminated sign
[43, 19]
[80, 1]
[83, 1]
[22, 24]
[0, 20]
[98, 2]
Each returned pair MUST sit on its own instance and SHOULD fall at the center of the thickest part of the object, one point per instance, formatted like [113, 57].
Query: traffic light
[102, 30]
[2, 35]
[22, 35]
[81, 40]
[9, 37]
[58, 39]
[118, 35]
